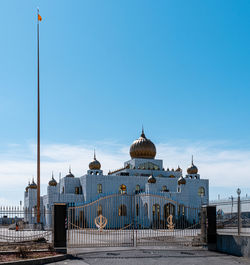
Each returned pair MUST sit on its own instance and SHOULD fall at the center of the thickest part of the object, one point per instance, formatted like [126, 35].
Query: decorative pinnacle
[142, 132]
[94, 155]
[70, 169]
[192, 160]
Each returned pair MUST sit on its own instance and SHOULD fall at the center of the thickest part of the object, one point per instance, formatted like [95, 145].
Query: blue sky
[181, 68]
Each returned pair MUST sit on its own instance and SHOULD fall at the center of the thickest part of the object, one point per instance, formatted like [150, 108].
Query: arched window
[122, 189]
[137, 189]
[201, 191]
[99, 188]
[169, 209]
[146, 209]
[99, 210]
[164, 188]
[156, 210]
[77, 190]
[137, 209]
[181, 209]
[122, 211]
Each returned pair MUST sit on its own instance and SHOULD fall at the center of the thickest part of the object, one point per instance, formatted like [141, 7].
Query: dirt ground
[31, 245]
[30, 255]
[25, 250]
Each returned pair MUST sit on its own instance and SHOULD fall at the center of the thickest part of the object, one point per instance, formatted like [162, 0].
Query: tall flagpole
[38, 124]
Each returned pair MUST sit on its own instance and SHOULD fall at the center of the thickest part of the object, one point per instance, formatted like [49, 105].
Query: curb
[39, 261]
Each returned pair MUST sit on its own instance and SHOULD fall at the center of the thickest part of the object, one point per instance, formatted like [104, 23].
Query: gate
[132, 220]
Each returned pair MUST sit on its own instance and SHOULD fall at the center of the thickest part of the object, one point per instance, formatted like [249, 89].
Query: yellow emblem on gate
[170, 222]
[101, 222]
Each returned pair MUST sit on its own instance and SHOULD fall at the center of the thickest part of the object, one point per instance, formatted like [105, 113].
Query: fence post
[211, 227]
[239, 212]
[59, 227]
[203, 224]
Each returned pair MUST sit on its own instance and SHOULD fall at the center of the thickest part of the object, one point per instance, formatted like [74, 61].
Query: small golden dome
[181, 181]
[192, 169]
[95, 164]
[151, 179]
[33, 185]
[178, 169]
[52, 182]
[142, 148]
[70, 175]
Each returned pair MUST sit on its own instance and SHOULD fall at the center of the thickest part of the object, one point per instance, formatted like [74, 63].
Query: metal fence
[132, 220]
[15, 227]
[233, 216]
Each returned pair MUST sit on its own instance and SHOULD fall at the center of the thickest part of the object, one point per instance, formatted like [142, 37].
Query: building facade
[141, 176]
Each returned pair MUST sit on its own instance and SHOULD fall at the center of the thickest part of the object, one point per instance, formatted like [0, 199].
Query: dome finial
[192, 160]
[70, 169]
[94, 155]
[142, 132]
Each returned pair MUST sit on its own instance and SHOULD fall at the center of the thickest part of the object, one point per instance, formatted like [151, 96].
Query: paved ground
[156, 256]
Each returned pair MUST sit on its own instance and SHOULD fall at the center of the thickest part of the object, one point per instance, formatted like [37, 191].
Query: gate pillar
[59, 227]
[204, 224]
[211, 227]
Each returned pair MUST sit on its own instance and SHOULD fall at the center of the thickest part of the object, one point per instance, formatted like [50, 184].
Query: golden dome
[178, 169]
[33, 185]
[142, 148]
[151, 179]
[181, 181]
[95, 164]
[52, 182]
[70, 175]
[192, 169]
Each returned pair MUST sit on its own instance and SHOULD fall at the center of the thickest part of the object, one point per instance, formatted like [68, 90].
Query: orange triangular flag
[39, 18]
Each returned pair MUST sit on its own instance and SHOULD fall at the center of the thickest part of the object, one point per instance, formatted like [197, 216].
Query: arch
[99, 188]
[137, 209]
[169, 209]
[156, 210]
[164, 188]
[146, 209]
[137, 189]
[77, 190]
[201, 191]
[122, 211]
[123, 189]
[181, 210]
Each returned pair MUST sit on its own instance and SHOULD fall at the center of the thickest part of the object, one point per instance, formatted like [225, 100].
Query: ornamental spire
[142, 132]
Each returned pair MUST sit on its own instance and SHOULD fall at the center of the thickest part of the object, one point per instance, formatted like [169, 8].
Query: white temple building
[142, 174]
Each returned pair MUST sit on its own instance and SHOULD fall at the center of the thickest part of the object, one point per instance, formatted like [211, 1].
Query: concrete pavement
[153, 255]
